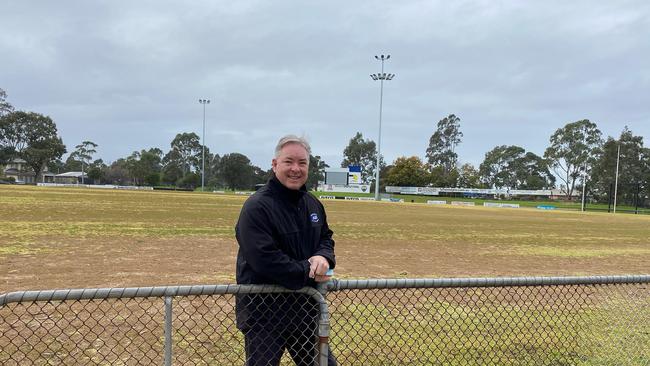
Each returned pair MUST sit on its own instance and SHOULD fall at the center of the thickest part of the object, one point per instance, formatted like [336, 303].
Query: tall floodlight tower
[204, 102]
[584, 173]
[618, 158]
[381, 77]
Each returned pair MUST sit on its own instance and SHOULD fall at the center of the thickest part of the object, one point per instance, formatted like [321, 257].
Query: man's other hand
[318, 266]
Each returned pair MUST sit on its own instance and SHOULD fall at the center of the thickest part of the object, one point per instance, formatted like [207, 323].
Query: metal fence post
[323, 329]
[168, 330]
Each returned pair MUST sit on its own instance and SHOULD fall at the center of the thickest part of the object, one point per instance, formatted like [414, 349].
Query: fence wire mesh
[261, 329]
[541, 325]
[82, 332]
[217, 329]
[371, 324]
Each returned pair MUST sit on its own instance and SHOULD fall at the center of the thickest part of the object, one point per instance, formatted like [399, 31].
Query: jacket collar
[285, 193]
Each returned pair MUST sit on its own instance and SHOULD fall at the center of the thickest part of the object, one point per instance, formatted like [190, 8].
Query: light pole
[584, 184]
[618, 158]
[381, 77]
[584, 172]
[204, 102]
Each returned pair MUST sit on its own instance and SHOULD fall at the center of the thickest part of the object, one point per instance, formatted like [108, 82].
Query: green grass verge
[479, 201]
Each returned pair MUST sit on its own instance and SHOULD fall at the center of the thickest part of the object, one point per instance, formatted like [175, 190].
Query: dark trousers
[265, 344]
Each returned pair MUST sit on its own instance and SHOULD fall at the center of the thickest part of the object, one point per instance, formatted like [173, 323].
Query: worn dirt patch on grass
[121, 262]
[70, 238]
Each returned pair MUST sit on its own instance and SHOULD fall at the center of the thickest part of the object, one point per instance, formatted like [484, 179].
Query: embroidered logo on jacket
[314, 217]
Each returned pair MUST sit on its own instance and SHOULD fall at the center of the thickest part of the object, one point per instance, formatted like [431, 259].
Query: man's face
[291, 166]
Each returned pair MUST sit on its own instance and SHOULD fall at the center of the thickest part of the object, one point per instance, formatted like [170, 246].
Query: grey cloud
[128, 75]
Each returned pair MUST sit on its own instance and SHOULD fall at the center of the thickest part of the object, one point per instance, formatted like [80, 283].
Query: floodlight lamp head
[387, 57]
[377, 57]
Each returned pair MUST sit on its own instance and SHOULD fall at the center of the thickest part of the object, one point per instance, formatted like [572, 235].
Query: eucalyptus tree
[469, 177]
[443, 142]
[185, 152]
[497, 169]
[5, 107]
[408, 172]
[236, 171]
[316, 171]
[32, 137]
[84, 154]
[362, 152]
[633, 172]
[572, 152]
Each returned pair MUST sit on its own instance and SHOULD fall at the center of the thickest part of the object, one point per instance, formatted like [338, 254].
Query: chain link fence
[497, 321]
[176, 325]
[486, 321]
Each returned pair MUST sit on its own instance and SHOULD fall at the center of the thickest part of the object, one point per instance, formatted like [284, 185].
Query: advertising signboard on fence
[501, 205]
[462, 203]
[360, 188]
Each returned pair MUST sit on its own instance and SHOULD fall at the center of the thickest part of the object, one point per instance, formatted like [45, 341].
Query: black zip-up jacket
[277, 231]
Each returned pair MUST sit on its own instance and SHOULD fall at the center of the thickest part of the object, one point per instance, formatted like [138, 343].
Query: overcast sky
[128, 74]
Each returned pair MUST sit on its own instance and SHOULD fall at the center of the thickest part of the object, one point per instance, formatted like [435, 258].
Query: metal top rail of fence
[385, 283]
[585, 320]
[139, 292]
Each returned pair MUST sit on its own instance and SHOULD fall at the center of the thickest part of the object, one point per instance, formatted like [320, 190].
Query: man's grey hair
[291, 139]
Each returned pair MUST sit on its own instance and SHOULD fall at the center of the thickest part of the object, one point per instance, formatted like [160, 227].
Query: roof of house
[14, 171]
[71, 174]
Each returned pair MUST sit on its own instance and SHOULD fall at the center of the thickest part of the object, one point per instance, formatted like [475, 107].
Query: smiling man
[283, 239]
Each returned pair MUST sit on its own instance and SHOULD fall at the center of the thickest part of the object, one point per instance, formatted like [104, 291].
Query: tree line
[575, 152]
[34, 138]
